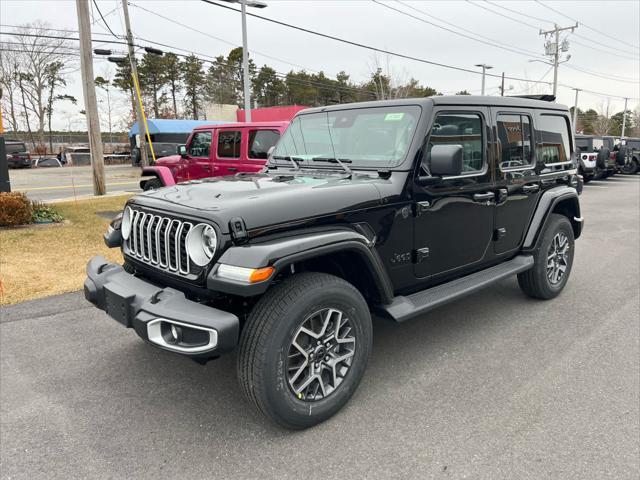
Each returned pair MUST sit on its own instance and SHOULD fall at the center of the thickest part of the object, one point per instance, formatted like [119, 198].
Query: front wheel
[304, 349]
[152, 184]
[553, 260]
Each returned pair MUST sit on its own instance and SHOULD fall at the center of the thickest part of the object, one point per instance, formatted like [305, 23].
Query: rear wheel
[304, 349]
[553, 260]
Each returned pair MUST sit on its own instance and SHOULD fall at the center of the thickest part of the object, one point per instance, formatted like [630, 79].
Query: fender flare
[162, 173]
[283, 252]
[546, 205]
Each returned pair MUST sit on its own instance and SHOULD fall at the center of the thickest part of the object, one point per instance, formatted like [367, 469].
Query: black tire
[630, 168]
[621, 156]
[602, 160]
[535, 282]
[267, 338]
[153, 184]
[587, 178]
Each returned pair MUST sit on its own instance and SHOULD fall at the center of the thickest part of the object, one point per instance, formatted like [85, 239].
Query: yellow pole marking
[144, 117]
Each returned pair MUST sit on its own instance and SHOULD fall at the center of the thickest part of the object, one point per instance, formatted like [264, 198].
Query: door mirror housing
[446, 160]
[182, 150]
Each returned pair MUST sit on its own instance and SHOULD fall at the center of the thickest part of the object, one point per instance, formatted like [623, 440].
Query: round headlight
[201, 244]
[125, 225]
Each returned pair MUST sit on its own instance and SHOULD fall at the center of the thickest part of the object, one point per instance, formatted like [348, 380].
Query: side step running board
[403, 308]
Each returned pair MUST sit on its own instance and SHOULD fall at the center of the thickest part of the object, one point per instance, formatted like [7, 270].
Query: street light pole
[575, 112]
[485, 67]
[624, 118]
[245, 64]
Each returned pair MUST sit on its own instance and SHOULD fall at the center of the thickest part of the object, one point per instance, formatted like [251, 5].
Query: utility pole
[485, 67]
[624, 118]
[502, 86]
[554, 48]
[90, 102]
[144, 161]
[575, 112]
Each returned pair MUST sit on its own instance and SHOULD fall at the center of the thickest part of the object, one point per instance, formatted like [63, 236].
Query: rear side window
[15, 147]
[260, 141]
[463, 129]
[229, 144]
[514, 141]
[554, 140]
[200, 144]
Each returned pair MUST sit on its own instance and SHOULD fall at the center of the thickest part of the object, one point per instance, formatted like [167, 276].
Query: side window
[463, 129]
[229, 143]
[554, 138]
[200, 144]
[514, 141]
[260, 141]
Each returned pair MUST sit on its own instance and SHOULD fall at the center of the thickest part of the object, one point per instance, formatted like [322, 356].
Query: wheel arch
[562, 200]
[344, 253]
[161, 173]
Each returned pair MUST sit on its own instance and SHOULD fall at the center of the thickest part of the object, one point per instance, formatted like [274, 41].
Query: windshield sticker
[393, 117]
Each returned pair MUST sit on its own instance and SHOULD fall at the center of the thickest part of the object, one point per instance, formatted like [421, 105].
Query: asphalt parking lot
[67, 182]
[496, 386]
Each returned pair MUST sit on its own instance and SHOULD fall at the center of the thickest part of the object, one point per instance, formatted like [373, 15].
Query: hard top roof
[455, 100]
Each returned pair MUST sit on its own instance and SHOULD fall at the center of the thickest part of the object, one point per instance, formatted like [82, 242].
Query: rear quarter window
[554, 147]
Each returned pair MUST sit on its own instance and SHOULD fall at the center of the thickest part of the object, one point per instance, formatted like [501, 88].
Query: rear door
[227, 158]
[259, 141]
[518, 184]
[454, 216]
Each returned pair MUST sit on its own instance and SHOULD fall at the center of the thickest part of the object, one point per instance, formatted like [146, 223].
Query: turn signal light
[243, 274]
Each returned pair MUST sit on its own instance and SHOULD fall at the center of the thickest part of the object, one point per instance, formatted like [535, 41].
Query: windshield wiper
[339, 161]
[295, 161]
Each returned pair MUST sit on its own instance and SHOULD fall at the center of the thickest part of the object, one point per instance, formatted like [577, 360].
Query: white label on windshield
[393, 117]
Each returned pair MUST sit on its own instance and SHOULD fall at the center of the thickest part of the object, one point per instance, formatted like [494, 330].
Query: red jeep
[214, 151]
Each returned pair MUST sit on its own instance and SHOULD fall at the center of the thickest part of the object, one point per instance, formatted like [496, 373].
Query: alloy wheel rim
[320, 355]
[558, 258]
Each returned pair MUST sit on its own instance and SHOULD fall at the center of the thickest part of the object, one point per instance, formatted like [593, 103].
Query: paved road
[497, 386]
[58, 183]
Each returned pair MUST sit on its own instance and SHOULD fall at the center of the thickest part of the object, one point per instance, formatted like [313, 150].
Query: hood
[168, 161]
[267, 199]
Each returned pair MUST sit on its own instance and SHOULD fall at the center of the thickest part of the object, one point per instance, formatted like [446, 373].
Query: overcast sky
[369, 23]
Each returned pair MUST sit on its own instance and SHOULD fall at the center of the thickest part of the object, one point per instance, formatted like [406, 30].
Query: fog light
[176, 333]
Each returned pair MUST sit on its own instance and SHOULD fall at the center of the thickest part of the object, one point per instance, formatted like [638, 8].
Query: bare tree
[9, 71]
[602, 125]
[42, 65]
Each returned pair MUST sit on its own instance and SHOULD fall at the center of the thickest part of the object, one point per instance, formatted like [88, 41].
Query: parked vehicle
[600, 161]
[43, 162]
[629, 156]
[390, 208]
[216, 150]
[18, 155]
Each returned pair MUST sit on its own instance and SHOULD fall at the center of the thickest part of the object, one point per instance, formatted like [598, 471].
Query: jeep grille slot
[160, 242]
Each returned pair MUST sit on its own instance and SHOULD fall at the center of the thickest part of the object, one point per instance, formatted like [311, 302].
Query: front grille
[160, 242]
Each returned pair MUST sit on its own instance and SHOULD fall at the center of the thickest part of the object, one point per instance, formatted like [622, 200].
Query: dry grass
[47, 260]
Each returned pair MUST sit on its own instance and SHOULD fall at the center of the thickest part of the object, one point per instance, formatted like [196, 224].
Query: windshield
[372, 137]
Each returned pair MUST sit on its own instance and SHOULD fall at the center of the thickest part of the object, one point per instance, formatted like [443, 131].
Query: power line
[103, 20]
[585, 25]
[608, 52]
[488, 41]
[367, 47]
[606, 77]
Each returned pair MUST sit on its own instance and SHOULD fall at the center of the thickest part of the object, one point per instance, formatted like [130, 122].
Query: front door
[454, 215]
[196, 163]
[517, 180]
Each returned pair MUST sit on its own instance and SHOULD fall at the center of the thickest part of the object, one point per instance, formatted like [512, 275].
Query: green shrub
[44, 213]
[15, 209]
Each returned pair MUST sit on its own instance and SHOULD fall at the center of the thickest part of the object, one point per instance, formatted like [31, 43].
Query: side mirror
[446, 160]
[270, 151]
[182, 150]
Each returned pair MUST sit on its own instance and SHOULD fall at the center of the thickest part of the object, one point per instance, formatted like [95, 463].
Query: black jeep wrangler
[387, 208]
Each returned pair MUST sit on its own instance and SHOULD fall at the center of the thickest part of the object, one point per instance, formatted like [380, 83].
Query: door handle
[484, 197]
[232, 169]
[530, 188]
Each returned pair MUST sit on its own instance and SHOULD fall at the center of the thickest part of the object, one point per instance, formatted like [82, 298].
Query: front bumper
[157, 313]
